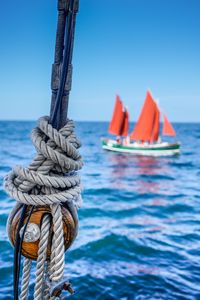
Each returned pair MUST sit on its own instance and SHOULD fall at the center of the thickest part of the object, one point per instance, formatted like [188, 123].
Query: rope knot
[52, 176]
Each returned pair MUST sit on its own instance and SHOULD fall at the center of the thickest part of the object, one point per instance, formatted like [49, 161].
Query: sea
[139, 226]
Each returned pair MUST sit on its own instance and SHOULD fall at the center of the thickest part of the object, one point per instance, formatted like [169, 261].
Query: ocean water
[139, 235]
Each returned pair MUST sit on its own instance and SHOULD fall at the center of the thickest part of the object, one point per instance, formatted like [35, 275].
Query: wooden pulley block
[32, 235]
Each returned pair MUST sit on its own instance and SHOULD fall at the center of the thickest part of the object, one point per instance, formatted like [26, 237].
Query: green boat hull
[162, 149]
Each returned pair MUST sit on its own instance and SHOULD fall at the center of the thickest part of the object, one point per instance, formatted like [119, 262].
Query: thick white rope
[50, 180]
[42, 254]
[25, 279]
[57, 250]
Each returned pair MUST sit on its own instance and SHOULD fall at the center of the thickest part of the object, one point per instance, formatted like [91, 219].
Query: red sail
[156, 126]
[124, 131]
[144, 127]
[167, 127]
[116, 124]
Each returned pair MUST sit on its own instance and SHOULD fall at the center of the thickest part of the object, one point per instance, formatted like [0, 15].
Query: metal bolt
[32, 233]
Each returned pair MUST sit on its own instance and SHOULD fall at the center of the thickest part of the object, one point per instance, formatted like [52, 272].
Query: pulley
[31, 239]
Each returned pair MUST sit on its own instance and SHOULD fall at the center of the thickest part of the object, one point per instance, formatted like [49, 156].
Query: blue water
[139, 235]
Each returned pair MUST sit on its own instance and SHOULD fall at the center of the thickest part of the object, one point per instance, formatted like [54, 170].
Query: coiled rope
[50, 179]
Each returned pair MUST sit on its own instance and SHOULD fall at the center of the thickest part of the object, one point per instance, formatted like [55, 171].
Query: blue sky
[123, 47]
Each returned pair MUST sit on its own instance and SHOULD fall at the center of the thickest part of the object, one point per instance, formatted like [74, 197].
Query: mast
[60, 85]
[62, 67]
[125, 126]
[156, 125]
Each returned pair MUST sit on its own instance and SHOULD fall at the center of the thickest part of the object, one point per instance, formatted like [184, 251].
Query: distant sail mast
[156, 126]
[167, 127]
[125, 126]
[147, 127]
[120, 119]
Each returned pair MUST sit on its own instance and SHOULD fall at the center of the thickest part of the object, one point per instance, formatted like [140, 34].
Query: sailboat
[145, 138]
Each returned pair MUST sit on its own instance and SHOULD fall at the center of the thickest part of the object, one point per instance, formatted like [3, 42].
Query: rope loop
[58, 152]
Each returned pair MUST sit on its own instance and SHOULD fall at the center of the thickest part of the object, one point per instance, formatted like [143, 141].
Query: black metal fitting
[57, 289]
[63, 5]
[55, 77]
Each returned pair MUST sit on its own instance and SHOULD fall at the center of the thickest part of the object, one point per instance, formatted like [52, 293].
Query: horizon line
[100, 121]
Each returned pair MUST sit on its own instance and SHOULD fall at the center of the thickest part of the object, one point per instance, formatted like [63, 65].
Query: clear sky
[121, 46]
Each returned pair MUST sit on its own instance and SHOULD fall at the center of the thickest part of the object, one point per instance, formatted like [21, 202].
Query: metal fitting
[63, 5]
[57, 288]
[32, 233]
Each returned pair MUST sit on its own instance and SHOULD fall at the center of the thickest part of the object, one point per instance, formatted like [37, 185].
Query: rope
[25, 279]
[42, 257]
[50, 180]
